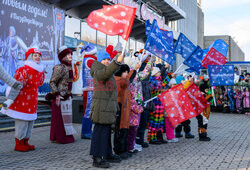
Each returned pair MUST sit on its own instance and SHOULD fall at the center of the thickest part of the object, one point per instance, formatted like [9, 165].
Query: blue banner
[221, 75]
[184, 46]
[221, 46]
[147, 27]
[169, 37]
[158, 46]
[194, 60]
[191, 70]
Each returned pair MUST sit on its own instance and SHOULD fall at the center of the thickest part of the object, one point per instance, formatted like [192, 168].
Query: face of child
[183, 82]
[124, 75]
[157, 74]
[106, 62]
[206, 90]
[36, 58]
[69, 57]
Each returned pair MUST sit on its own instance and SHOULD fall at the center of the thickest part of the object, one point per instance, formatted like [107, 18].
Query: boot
[178, 134]
[31, 147]
[20, 146]
[100, 163]
[160, 138]
[189, 135]
[203, 137]
[113, 158]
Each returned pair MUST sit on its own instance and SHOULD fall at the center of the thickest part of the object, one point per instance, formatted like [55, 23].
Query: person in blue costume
[231, 94]
[90, 56]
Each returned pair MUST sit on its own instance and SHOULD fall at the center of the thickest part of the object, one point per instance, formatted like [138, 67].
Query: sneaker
[174, 140]
[138, 147]
[178, 135]
[189, 136]
[144, 145]
[100, 163]
[204, 139]
[113, 159]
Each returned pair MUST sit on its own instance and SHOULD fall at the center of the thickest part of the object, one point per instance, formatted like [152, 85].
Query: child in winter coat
[246, 100]
[156, 119]
[238, 97]
[24, 107]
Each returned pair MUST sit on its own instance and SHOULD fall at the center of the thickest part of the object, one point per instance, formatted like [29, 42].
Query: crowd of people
[120, 87]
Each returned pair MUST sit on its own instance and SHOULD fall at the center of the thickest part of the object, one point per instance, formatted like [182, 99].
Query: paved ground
[229, 149]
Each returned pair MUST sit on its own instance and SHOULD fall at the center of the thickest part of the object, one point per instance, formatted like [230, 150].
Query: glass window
[101, 38]
[72, 26]
[112, 40]
[88, 33]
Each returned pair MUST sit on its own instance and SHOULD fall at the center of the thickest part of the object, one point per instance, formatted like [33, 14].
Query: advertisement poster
[37, 25]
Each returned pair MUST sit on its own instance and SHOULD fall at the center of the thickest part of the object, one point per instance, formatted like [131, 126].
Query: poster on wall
[35, 24]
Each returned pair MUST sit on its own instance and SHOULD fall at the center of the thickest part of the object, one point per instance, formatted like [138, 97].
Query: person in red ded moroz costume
[24, 107]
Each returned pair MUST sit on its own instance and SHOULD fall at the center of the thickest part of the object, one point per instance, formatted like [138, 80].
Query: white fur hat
[155, 70]
[130, 61]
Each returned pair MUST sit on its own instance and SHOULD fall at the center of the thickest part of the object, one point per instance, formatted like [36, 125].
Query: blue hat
[206, 77]
[179, 79]
[89, 49]
[102, 55]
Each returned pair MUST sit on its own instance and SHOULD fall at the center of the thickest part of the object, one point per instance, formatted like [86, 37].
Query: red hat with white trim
[30, 52]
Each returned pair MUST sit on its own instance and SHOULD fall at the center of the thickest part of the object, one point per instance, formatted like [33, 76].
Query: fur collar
[32, 64]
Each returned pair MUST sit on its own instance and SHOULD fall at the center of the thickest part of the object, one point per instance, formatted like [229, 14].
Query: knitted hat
[28, 54]
[143, 56]
[123, 68]
[155, 70]
[179, 79]
[130, 61]
[206, 77]
[89, 49]
[102, 55]
[63, 51]
[118, 47]
[172, 82]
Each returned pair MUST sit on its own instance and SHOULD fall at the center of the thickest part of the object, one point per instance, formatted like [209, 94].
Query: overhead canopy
[80, 9]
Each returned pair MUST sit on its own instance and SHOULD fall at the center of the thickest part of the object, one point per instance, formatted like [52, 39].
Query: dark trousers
[101, 141]
[186, 127]
[142, 126]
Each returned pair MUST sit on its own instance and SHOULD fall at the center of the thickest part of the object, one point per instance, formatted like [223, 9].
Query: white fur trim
[19, 115]
[62, 48]
[92, 52]
[7, 92]
[32, 64]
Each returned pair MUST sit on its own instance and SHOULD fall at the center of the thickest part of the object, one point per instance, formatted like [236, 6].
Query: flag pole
[178, 68]
[124, 48]
[213, 96]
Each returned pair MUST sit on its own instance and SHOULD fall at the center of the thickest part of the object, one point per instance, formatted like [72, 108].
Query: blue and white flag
[190, 70]
[221, 46]
[221, 75]
[158, 46]
[194, 60]
[169, 37]
[147, 27]
[184, 46]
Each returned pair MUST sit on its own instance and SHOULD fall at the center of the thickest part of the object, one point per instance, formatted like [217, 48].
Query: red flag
[177, 105]
[197, 100]
[113, 20]
[213, 57]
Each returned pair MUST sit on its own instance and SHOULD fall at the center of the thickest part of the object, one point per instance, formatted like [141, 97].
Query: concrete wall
[234, 51]
[187, 26]
[200, 27]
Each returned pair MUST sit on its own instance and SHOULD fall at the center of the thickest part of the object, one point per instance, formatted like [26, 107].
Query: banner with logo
[34, 24]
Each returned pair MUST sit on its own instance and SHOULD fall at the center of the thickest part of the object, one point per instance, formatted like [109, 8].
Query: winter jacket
[124, 98]
[104, 104]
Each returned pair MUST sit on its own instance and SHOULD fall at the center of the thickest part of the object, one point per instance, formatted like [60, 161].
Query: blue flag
[158, 46]
[184, 46]
[147, 27]
[190, 70]
[169, 37]
[194, 60]
[221, 75]
[221, 46]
